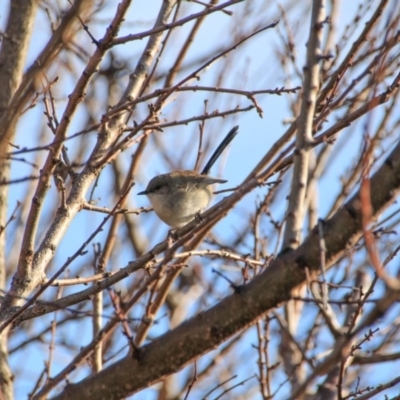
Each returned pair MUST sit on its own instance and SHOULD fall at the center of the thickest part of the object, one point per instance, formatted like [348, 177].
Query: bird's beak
[144, 192]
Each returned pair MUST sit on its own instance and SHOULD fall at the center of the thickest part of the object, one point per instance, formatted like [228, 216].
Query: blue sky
[255, 137]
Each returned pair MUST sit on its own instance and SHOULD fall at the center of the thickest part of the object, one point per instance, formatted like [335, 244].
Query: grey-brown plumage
[178, 196]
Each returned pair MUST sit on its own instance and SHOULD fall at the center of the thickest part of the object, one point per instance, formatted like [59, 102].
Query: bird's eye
[156, 188]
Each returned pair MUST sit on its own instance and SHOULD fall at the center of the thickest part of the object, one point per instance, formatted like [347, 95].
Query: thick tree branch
[13, 54]
[173, 350]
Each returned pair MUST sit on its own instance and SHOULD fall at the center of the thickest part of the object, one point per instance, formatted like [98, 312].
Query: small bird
[179, 196]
